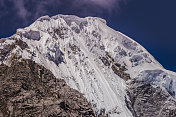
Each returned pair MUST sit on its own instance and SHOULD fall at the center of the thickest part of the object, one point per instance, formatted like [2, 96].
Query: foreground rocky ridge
[28, 89]
[115, 74]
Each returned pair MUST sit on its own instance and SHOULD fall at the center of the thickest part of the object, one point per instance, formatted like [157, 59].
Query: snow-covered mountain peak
[91, 57]
[97, 30]
[67, 20]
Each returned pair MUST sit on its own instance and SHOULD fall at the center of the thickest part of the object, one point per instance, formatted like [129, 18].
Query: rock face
[30, 90]
[149, 101]
[97, 61]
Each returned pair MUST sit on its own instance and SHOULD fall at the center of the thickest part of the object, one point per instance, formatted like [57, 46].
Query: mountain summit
[117, 76]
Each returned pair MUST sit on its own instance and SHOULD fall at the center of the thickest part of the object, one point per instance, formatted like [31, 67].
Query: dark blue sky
[151, 23]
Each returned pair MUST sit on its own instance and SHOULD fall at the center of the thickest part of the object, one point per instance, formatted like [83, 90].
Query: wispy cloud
[19, 13]
[21, 10]
[25, 9]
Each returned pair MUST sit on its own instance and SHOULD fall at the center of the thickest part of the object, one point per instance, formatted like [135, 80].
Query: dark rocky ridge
[29, 90]
[149, 101]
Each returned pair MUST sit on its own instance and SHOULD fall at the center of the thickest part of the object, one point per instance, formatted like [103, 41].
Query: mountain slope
[92, 58]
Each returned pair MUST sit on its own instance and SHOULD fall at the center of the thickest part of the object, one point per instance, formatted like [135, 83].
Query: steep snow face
[91, 57]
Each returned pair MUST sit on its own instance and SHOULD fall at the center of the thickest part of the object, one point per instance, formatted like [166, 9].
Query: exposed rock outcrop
[29, 90]
[149, 101]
